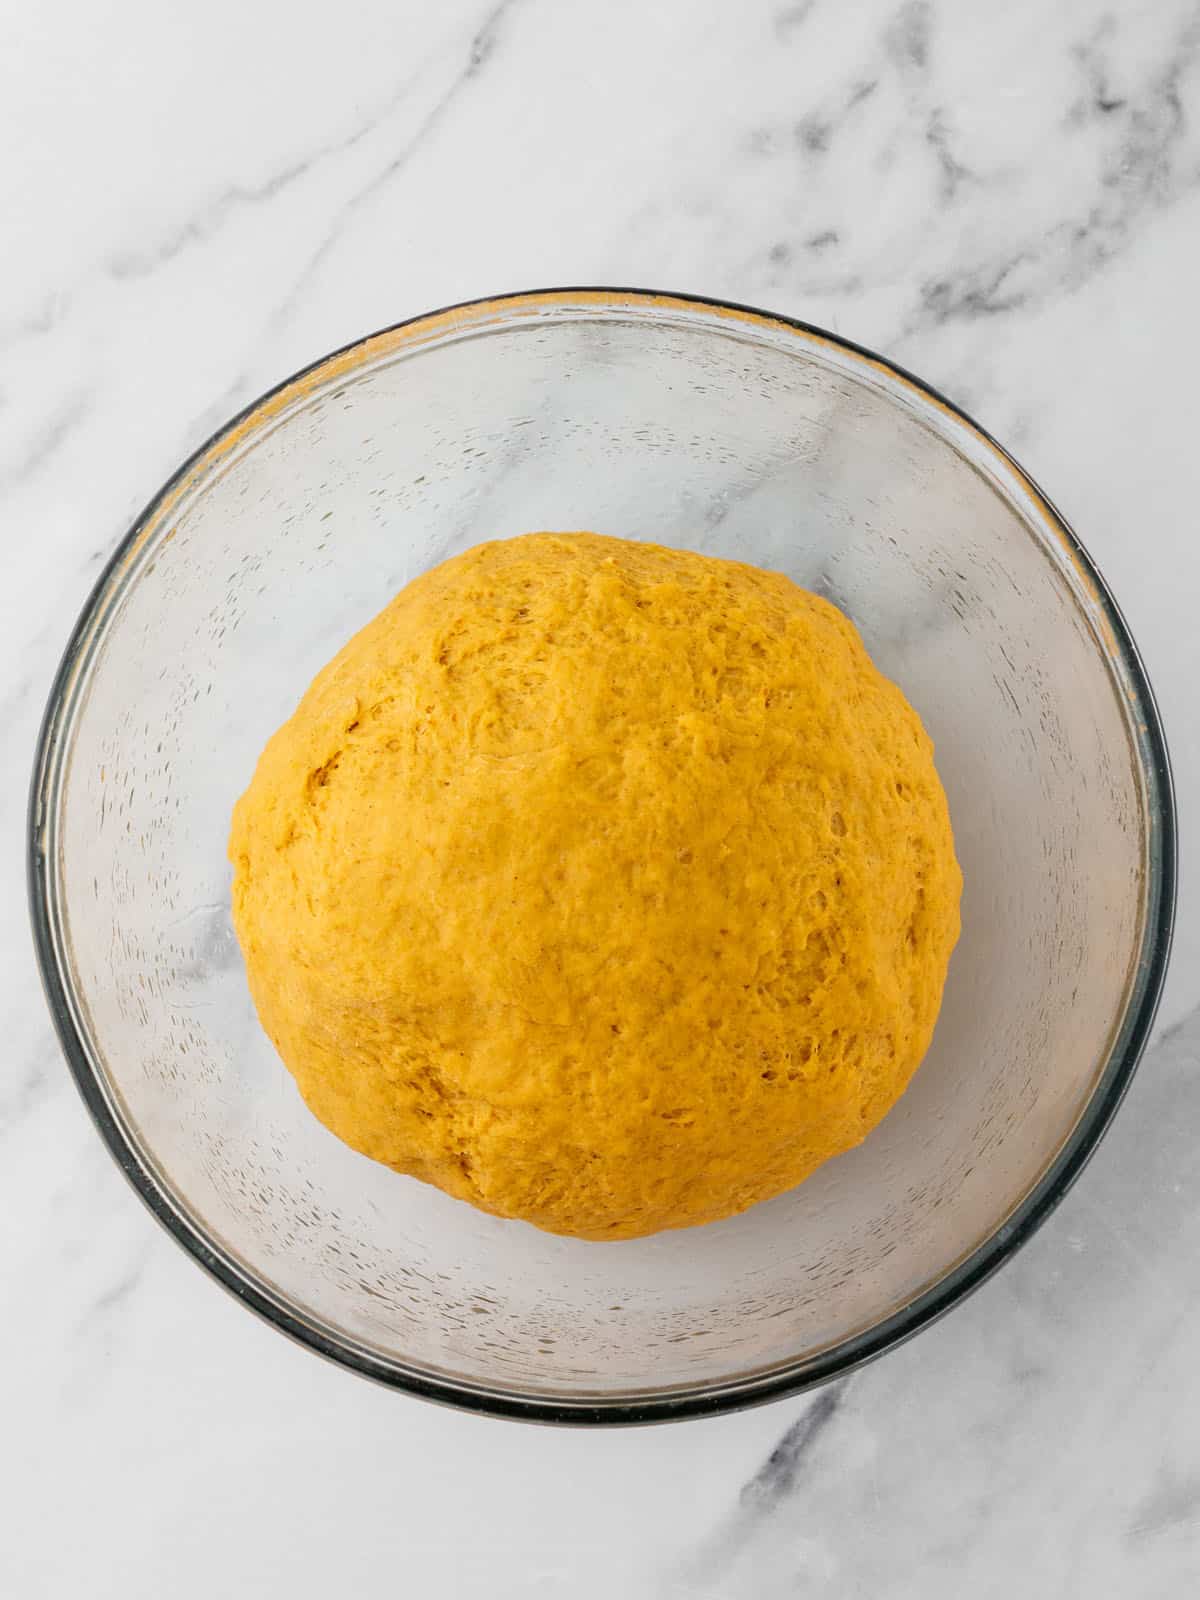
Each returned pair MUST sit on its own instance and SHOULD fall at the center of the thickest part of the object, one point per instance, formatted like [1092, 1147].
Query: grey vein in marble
[1143, 173]
[47, 442]
[479, 52]
[779, 1474]
[1151, 157]
[35, 323]
[31, 1087]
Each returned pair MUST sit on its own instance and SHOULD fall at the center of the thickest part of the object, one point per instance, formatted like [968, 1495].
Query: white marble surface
[195, 201]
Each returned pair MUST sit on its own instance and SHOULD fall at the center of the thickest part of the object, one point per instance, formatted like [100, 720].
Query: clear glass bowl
[710, 426]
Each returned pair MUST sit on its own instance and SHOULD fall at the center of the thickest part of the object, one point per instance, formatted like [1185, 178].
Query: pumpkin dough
[605, 886]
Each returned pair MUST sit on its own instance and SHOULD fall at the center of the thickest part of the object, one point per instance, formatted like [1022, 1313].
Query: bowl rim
[960, 1280]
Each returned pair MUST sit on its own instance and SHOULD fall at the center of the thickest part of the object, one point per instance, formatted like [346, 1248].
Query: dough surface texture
[604, 886]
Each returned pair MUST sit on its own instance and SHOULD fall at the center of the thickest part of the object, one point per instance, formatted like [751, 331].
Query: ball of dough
[605, 886]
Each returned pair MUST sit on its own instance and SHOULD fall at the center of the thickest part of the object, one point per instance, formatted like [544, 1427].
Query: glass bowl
[659, 417]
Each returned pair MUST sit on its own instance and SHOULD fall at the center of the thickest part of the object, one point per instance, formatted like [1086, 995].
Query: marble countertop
[198, 200]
